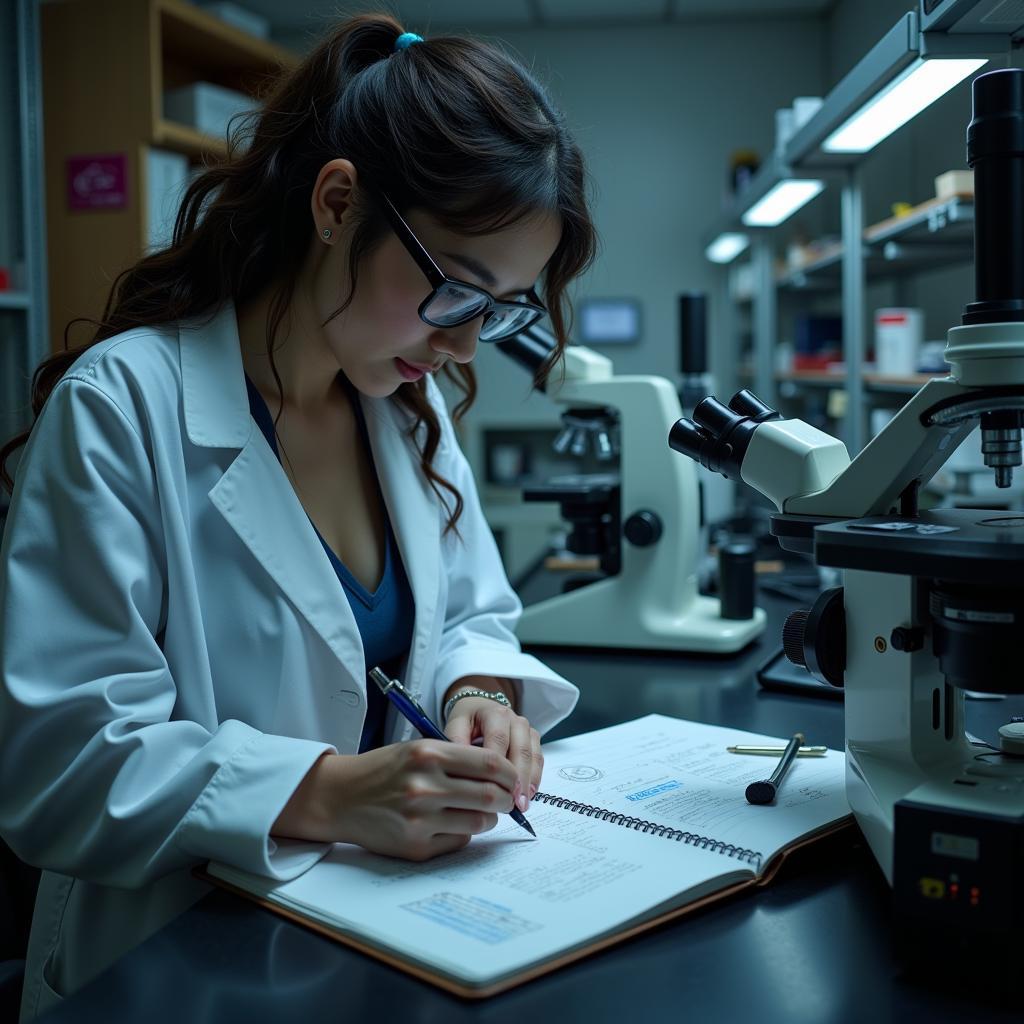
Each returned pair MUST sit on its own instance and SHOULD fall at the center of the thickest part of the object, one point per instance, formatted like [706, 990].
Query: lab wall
[657, 112]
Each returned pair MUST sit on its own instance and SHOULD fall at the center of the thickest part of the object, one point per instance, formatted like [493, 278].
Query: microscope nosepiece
[1000, 443]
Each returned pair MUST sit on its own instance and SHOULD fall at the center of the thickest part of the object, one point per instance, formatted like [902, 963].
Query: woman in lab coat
[246, 490]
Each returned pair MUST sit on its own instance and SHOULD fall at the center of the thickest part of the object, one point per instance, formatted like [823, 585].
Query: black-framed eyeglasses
[452, 302]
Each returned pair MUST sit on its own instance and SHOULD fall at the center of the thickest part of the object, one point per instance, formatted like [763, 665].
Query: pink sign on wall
[98, 182]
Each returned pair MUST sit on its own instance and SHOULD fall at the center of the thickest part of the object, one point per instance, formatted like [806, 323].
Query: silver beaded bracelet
[450, 703]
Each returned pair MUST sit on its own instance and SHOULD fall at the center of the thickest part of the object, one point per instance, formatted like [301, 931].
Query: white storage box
[239, 17]
[205, 106]
[899, 332]
[167, 177]
[954, 183]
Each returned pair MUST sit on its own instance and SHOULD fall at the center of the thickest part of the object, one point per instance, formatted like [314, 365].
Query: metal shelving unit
[23, 310]
[938, 233]
[880, 382]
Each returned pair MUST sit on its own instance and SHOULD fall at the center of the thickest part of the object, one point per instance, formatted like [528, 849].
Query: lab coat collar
[213, 381]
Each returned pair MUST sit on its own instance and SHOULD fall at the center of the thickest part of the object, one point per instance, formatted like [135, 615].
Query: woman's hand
[412, 800]
[502, 731]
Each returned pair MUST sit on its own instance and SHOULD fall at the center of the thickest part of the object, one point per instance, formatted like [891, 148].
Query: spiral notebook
[637, 823]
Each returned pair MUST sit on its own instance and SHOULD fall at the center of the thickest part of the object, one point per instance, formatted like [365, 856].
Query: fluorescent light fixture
[726, 247]
[906, 96]
[781, 202]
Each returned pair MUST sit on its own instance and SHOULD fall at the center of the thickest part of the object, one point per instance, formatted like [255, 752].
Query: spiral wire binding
[751, 857]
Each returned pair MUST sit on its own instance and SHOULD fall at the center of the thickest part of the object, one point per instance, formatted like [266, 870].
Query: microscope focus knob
[907, 638]
[793, 631]
[643, 528]
[816, 639]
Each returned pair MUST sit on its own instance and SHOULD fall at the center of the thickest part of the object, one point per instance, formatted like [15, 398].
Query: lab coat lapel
[254, 495]
[258, 502]
[415, 519]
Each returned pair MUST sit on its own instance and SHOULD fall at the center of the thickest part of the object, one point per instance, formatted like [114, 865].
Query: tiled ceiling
[289, 15]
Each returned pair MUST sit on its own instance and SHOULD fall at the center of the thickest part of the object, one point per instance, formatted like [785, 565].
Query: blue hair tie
[406, 39]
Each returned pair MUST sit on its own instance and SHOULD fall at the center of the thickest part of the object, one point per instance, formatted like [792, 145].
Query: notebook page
[679, 774]
[505, 901]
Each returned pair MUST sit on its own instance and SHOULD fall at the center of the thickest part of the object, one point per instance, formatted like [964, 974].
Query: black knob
[643, 528]
[793, 632]
[816, 639]
[907, 638]
[737, 579]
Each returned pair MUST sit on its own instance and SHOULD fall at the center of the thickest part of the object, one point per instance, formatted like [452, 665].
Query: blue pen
[407, 705]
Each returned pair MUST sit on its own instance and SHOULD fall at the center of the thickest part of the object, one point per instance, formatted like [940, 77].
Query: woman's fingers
[537, 764]
[460, 728]
[521, 753]
[473, 795]
[464, 823]
[467, 762]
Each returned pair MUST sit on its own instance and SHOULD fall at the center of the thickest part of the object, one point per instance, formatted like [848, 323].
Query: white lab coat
[176, 650]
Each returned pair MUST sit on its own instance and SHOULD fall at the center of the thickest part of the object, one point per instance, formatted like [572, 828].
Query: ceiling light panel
[905, 97]
[727, 246]
[781, 202]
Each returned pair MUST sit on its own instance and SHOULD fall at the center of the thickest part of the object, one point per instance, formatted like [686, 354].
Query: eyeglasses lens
[506, 320]
[452, 305]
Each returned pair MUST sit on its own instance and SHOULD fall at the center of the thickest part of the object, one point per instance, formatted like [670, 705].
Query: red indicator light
[975, 895]
[953, 890]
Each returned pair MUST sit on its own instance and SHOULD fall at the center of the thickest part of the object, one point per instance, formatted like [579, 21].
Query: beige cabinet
[106, 65]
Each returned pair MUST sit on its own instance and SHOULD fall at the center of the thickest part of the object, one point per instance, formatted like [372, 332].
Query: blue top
[385, 617]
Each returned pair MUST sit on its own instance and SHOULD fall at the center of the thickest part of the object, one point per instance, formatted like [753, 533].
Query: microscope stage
[963, 545]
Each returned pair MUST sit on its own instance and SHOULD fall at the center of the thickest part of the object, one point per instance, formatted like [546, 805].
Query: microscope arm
[907, 449]
[805, 471]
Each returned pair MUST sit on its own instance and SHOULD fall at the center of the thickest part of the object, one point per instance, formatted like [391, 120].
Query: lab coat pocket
[49, 995]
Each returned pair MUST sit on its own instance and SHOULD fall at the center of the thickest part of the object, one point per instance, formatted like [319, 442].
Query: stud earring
[327, 232]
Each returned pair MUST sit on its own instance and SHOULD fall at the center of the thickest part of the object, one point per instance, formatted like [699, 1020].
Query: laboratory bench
[814, 947]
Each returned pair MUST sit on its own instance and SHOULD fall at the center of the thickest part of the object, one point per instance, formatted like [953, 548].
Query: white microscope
[933, 602]
[643, 521]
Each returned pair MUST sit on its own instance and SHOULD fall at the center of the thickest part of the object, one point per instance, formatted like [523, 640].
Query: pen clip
[392, 687]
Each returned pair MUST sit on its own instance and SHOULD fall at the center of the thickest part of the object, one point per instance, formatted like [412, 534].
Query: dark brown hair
[450, 125]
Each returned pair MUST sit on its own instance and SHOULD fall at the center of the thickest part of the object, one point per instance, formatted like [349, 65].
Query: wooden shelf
[881, 382]
[193, 35]
[815, 378]
[952, 215]
[185, 139]
[106, 65]
[909, 382]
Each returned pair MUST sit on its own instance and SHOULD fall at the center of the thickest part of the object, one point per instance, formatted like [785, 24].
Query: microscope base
[599, 615]
[969, 792]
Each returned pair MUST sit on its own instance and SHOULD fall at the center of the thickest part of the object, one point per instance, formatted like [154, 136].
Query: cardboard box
[954, 183]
